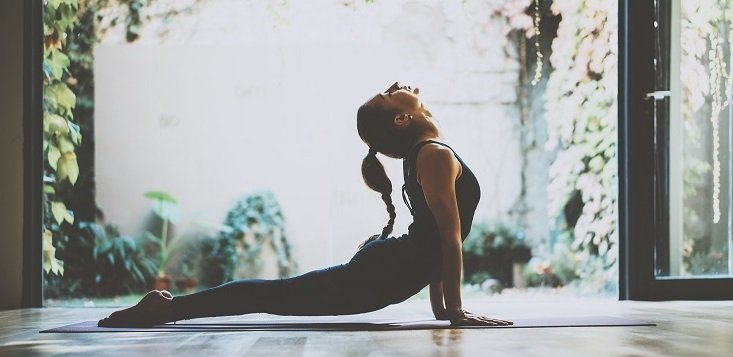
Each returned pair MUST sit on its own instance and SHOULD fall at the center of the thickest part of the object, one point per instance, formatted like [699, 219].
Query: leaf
[65, 145]
[74, 132]
[137, 274]
[49, 190]
[53, 156]
[69, 216]
[65, 97]
[68, 168]
[160, 196]
[48, 250]
[59, 96]
[50, 263]
[165, 205]
[57, 62]
[58, 209]
[57, 266]
[152, 237]
[54, 124]
[53, 4]
[47, 72]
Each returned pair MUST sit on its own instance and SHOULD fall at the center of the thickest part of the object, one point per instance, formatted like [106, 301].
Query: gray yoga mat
[345, 325]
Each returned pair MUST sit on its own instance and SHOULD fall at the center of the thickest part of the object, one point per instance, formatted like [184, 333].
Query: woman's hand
[465, 318]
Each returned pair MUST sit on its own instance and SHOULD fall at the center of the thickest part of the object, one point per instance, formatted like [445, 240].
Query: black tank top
[424, 230]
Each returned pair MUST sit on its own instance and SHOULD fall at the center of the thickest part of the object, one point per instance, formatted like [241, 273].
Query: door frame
[32, 294]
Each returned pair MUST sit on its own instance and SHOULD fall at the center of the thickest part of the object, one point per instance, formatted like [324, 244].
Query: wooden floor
[684, 329]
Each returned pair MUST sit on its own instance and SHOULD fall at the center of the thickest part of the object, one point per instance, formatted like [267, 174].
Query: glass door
[692, 110]
[675, 138]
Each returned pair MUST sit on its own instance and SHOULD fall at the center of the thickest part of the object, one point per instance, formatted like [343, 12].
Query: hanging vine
[581, 113]
[704, 28]
[538, 51]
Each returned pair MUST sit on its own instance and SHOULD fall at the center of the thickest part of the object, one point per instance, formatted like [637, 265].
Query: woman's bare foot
[153, 309]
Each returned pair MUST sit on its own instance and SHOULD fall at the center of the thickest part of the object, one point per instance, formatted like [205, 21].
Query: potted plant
[255, 221]
[187, 282]
[495, 250]
[520, 254]
[165, 207]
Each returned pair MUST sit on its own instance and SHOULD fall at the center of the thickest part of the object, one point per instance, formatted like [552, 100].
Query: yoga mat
[345, 325]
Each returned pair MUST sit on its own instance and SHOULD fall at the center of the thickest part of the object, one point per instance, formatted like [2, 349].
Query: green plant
[580, 102]
[556, 266]
[165, 207]
[71, 28]
[580, 110]
[491, 249]
[255, 220]
[61, 135]
[100, 262]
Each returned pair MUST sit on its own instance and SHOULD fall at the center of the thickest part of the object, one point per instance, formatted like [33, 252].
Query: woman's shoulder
[430, 148]
[438, 156]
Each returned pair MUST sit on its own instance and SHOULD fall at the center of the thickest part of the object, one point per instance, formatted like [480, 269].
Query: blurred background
[193, 142]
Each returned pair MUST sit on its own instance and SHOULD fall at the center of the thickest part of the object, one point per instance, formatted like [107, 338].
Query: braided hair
[376, 178]
[375, 125]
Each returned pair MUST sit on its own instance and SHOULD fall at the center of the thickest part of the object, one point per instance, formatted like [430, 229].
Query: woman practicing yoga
[443, 194]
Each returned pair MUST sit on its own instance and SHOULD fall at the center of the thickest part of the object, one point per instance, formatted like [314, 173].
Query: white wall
[11, 147]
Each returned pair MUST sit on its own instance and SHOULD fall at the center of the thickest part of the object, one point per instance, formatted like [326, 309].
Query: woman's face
[400, 99]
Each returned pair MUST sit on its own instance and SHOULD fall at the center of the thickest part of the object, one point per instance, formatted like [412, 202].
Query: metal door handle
[658, 95]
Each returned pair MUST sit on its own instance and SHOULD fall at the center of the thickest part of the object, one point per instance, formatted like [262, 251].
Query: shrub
[255, 220]
[490, 250]
[100, 262]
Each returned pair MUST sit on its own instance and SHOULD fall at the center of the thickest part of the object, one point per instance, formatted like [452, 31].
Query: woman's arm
[436, 301]
[437, 171]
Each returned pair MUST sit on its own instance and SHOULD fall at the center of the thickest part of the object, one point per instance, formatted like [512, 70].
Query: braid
[392, 214]
[376, 178]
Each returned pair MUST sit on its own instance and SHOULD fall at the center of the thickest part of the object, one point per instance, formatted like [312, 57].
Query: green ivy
[61, 134]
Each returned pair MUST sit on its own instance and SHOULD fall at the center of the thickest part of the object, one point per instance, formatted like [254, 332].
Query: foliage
[133, 19]
[491, 249]
[705, 87]
[561, 265]
[69, 35]
[255, 220]
[61, 135]
[104, 264]
[71, 29]
[580, 102]
[580, 111]
[166, 209]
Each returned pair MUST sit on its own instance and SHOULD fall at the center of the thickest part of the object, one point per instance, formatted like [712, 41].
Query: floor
[684, 328]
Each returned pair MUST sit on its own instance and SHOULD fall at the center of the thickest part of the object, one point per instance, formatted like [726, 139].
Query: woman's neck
[424, 137]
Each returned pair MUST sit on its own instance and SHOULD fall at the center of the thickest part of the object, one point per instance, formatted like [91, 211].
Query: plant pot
[187, 284]
[518, 277]
[162, 283]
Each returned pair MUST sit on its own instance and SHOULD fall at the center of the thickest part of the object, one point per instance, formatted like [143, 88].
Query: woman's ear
[402, 120]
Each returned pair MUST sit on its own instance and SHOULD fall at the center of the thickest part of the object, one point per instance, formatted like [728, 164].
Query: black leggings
[369, 282]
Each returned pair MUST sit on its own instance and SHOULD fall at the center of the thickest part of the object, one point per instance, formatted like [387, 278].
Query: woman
[443, 194]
